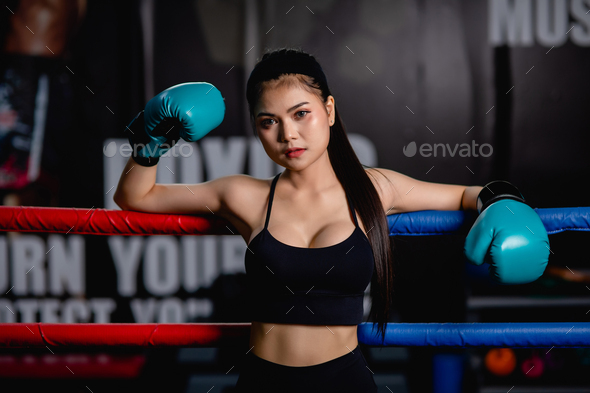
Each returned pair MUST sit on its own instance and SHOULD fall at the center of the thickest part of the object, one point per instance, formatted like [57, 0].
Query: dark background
[438, 60]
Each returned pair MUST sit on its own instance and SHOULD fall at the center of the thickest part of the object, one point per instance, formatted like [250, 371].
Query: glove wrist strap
[145, 161]
[137, 136]
[495, 191]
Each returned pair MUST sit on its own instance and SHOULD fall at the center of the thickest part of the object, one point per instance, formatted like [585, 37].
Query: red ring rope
[108, 222]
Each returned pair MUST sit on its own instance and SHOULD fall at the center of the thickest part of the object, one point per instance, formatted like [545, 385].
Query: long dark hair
[355, 181]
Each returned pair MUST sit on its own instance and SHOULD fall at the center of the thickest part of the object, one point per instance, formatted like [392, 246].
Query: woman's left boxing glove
[509, 235]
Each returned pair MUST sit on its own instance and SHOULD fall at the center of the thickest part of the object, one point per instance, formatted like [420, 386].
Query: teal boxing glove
[509, 235]
[188, 111]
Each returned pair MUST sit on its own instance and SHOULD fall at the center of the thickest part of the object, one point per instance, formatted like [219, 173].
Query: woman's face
[289, 116]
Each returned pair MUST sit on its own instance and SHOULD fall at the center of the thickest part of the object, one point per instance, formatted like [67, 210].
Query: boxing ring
[423, 223]
[187, 335]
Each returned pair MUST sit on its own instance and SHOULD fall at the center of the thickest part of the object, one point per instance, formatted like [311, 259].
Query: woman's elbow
[120, 201]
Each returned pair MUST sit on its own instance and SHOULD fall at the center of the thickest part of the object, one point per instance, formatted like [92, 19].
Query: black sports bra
[300, 285]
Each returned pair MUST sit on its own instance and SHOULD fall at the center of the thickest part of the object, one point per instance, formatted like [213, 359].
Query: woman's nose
[288, 132]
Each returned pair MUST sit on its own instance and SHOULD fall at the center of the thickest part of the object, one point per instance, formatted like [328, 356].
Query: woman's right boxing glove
[188, 111]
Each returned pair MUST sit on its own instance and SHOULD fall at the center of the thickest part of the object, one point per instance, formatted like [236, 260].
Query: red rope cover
[108, 222]
[29, 335]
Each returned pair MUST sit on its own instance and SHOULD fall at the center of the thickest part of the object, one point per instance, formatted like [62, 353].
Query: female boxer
[316, 233]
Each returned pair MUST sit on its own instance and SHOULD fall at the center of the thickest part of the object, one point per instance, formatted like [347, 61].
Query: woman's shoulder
[382, 183]
[242, 188]
[245, 195]
[242, 183]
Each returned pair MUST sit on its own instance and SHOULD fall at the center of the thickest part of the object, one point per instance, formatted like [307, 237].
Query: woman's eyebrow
[297, 106]
[289, 110]
[264, 114]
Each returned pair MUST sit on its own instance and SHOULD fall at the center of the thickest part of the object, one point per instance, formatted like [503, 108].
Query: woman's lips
[295, 153]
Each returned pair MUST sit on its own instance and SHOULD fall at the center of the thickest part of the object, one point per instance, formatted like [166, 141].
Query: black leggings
[348, 373]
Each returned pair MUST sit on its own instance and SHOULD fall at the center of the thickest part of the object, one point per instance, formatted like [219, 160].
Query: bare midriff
[301, 345]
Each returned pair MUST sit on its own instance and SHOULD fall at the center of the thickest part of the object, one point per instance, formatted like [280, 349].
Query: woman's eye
[266, 122]
[303, 112]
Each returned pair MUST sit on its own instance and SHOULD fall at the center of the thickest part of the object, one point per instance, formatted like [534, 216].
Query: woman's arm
[134, 184]
[469, 200]
[137, 190]
[150, 136]
[401, 193]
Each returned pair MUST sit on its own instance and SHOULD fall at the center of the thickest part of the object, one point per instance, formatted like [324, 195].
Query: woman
[309, 262]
